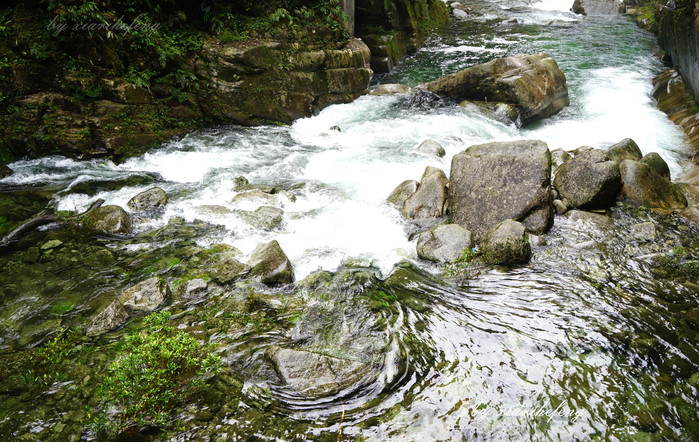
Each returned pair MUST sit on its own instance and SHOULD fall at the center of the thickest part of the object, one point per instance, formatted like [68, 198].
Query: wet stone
[146, 296]
[113, 316]
[51, 244]
[644, 231]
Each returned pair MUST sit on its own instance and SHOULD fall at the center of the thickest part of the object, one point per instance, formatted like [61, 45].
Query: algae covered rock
[110, 318]
[532, 83]
[657, 163]
[430, 198]
[402, 192]
[443, 244]
[227, 269]
[494, 182]
[626, 149]
[314, 374]
[588, 181]
[644, 186]
[149, 200]
[270, 265]
[507, 244]
[109, 219]
[146, 296]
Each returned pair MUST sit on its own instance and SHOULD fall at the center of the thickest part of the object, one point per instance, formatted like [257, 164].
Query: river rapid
[596, 338]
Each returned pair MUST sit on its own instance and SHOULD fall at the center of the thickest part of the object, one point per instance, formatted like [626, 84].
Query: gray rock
[269, 265]
[589, 180]
[227, 270]
[259, 197]
[691, 215]
[507, 244]
[626, 149]
[532, 83]
[264, 218]
[644, 231]
[402, 192]
[558, 157]
[146, 296]
[150, 200]
[644, 186]
[242, 184]
[431, 147]
[430, 198]
[502, 112]
[560, 206]
[112, 317]
[109, 219]
[314, 374]
[599, 220]
[190, 290]
[391, 89]
[443, 244]
[5, 172]
[656, 162]
[493, 182]
[598, 7]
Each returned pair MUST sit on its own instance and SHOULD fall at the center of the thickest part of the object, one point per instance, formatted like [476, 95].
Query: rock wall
[678, 34]
[395, 28]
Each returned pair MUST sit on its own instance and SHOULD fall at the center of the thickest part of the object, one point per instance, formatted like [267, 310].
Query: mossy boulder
[430, 198]
[270, 265]
[146, 296]
[642, 185]
[494, 182]
[109, 219]
[532, 83]
[507, 244]
[402, 192]
[227, 269]
[657, 163]
[151, 200]
[626, 149]
[443, 244]
[588, 181]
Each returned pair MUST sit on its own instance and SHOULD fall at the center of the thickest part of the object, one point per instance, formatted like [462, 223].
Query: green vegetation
[155, 368]
[461, 269]
[681, 262]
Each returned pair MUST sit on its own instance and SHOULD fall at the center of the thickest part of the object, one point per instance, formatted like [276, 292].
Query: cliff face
[678, 34]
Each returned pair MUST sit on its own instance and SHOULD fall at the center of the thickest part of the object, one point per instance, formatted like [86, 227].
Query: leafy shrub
[155, 369]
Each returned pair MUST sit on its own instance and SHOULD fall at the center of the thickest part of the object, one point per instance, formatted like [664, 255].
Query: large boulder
[657, 163]
[113, 316]
[314, 374]
[507, 244]
[533, 83]
[443, 244]
[493, 182]
[402, 192]
[149, 200]
[598, 7]
[269, 265]
[588, 181]
[644, 186]
[227, 270]
[109, 219]
[626, 149]
[146, 296]
[430, 198]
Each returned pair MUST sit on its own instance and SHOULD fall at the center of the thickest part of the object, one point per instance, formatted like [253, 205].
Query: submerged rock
[269, 265]
[402, 192]
[598, 7]
[588, 181]
[431, 147]
[507, 244]
[391, 89]
[656, 162]
[149, 200]
[494, 182]
[533, 83]
[314, 374]
[644, 186]
[430, 198]
[626, 149]
[264, 218]
[113, 316]
[109, 219]
[443, 244]
[146, 296]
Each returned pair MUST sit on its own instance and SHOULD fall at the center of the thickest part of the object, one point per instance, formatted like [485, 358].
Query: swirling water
[590, 340]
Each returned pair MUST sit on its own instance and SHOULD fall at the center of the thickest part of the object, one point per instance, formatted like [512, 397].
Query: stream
[596, 338]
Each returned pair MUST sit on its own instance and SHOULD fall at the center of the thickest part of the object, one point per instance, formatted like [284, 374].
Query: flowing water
[592, 339]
